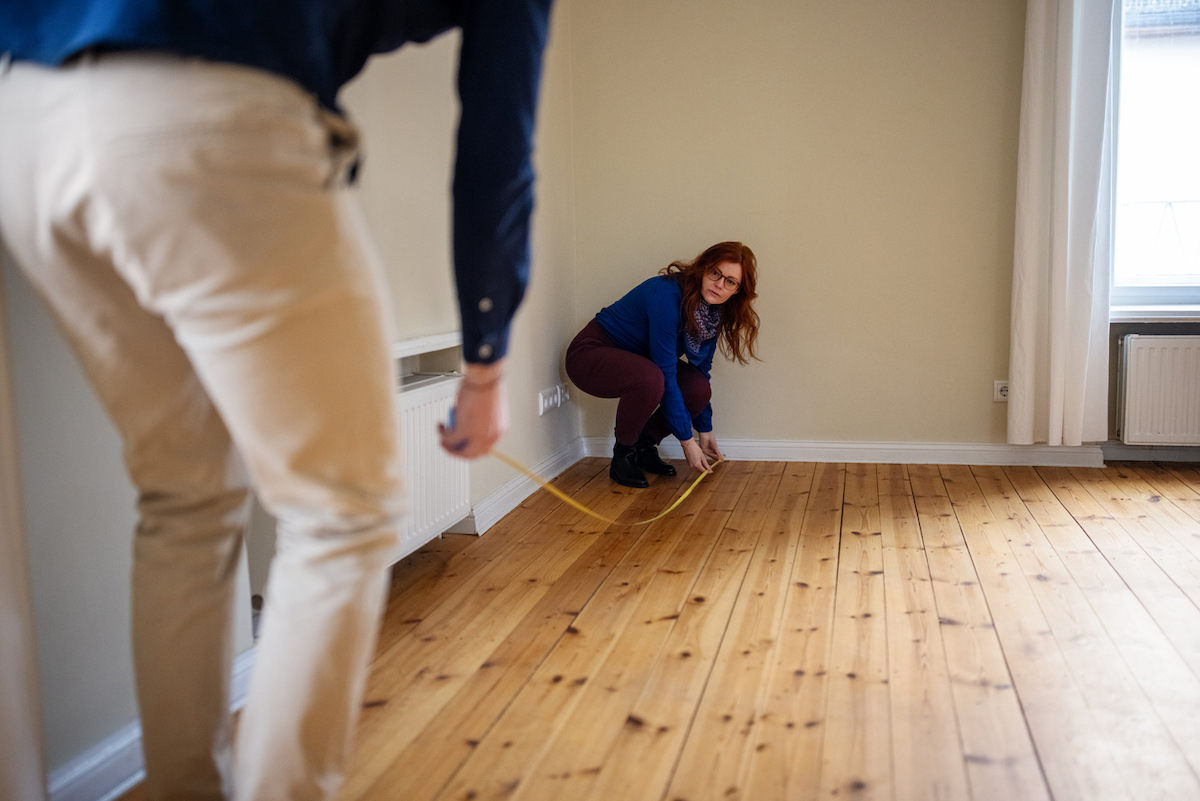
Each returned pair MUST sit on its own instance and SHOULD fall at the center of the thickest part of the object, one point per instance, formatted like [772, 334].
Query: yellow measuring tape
[520, 468]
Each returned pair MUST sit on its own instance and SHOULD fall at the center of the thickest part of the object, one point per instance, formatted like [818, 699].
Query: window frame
[1153, 302]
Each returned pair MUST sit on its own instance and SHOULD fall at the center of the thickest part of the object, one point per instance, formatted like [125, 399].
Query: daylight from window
[1158, 148]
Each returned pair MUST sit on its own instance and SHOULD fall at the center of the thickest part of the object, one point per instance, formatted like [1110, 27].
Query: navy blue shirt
[322, 44]
[649, 321]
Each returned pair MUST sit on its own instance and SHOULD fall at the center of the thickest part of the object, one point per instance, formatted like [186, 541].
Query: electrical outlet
[1000, 391]
[548, 399]
[552, 398]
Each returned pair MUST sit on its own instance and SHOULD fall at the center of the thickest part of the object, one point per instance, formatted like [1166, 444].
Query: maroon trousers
[599, 367]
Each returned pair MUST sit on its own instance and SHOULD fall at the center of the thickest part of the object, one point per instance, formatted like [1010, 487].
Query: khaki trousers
[188, 225]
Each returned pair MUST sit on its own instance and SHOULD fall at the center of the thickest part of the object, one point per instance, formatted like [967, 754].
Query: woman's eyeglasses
[715, 274]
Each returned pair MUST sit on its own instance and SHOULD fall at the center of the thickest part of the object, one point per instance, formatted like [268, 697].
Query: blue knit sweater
[649, 321]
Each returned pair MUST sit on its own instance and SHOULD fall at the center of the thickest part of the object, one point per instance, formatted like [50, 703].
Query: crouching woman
[636, 348]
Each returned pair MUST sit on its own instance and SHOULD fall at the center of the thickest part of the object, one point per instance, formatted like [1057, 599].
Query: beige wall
[405, 105]
[79, 517]
[78, 525]
[546, 320]
[867, 153]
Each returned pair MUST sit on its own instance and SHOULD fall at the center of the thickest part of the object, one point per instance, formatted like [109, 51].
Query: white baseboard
[110, 769]
[884, 452]
[104, 772]
[500, 502]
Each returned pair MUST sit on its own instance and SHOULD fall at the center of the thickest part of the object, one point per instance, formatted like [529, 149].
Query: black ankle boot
[624, 471]
[646, 457]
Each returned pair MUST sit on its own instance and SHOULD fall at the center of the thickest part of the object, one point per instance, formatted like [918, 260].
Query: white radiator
[1159, 390]
[439, 492]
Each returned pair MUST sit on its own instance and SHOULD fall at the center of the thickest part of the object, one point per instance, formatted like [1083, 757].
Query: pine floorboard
[799, 631]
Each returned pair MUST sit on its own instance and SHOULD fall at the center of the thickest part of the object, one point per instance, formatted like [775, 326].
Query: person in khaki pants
[173, 182]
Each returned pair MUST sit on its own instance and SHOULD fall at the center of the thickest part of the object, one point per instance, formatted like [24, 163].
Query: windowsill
[1154, 314]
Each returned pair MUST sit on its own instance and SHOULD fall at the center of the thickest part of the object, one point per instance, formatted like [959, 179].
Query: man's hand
[694, 456]
[480, 413]
[708, 444]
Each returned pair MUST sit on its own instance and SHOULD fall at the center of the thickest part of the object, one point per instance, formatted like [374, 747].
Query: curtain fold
[1058, 363]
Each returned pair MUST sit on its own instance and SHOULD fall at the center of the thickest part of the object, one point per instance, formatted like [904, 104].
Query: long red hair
[737, 333]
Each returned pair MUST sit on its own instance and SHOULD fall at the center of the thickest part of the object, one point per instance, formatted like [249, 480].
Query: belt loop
[344, 148]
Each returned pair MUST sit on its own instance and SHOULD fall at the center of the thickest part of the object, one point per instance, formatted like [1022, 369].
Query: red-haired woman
[632, 350]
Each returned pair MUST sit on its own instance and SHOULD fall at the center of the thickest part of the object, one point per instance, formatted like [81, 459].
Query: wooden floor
[798, 631]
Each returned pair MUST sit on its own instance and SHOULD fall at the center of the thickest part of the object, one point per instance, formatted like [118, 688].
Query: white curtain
[1058, 366]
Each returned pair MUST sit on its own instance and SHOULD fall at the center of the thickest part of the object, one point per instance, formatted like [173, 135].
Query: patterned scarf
[707, 319]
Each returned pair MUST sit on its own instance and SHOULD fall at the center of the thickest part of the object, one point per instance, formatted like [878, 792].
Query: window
[1156, 260]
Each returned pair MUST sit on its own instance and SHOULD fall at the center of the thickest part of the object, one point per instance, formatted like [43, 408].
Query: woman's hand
[694, 456]
[708, 444]
[480, 413]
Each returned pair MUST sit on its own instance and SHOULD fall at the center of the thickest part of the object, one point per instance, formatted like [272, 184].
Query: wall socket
[1000, 391]
[552, 398]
